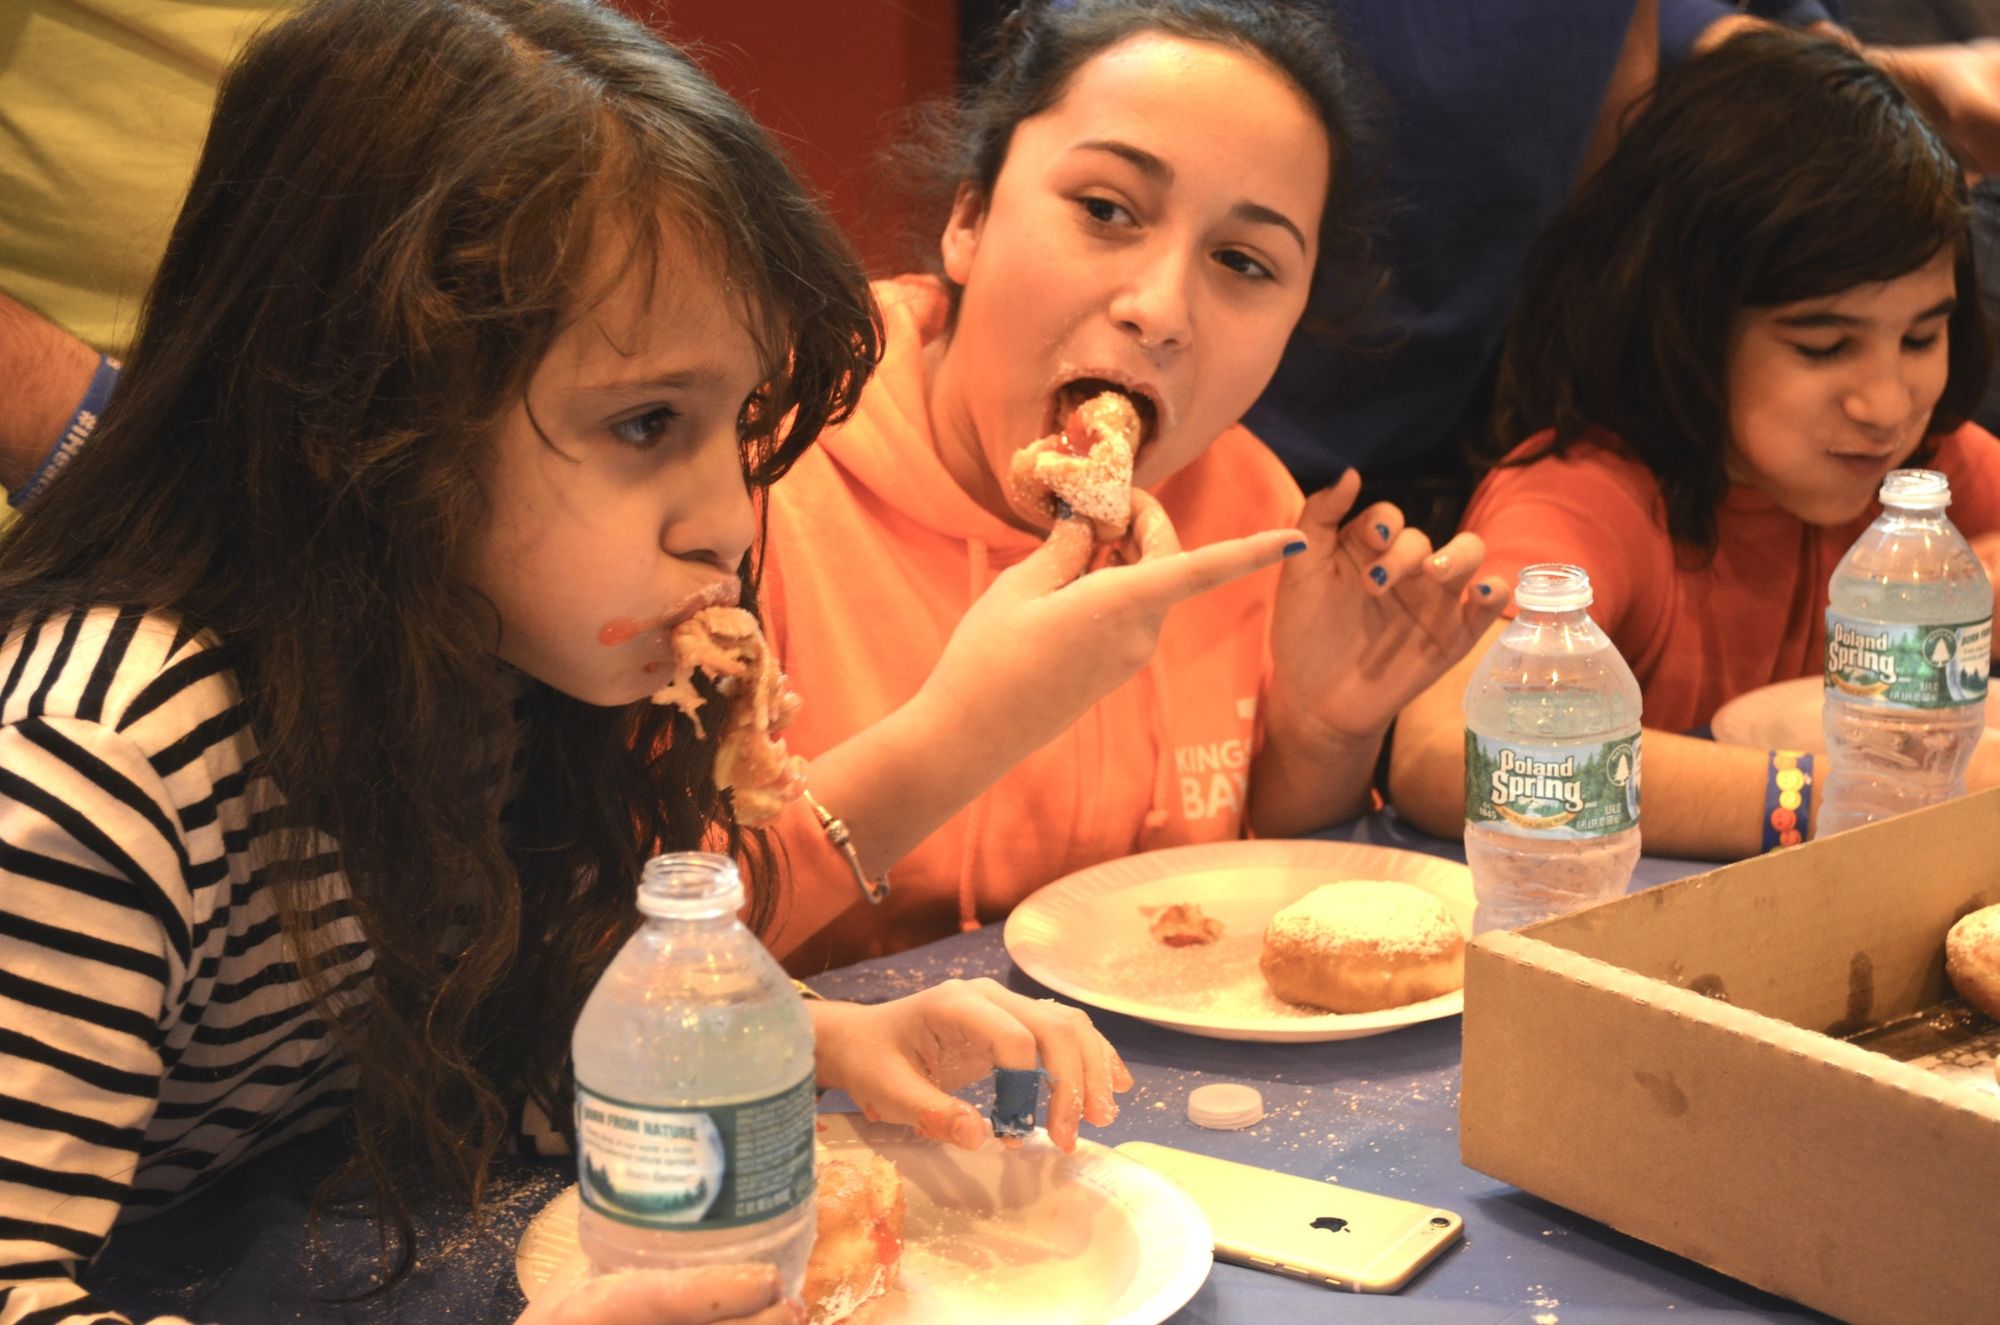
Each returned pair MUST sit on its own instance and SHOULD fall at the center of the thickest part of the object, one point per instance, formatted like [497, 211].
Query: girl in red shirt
[1760, 306]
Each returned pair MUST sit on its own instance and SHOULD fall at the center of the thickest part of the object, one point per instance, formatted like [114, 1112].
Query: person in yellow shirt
[103, 108]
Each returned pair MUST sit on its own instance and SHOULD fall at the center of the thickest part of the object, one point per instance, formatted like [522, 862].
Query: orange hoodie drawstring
[968, 899]
[1163, 749]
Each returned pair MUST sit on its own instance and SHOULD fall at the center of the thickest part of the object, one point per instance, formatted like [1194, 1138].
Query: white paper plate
[1086, 935]
[1786, 716]
[998, 1236]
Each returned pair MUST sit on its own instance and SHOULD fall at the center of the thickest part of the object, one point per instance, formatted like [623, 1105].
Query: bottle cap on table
[1225, 1105]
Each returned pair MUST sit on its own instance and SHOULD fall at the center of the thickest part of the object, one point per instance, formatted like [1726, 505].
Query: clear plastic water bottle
[694, 1088]
[1551, 759]
[1909, 635]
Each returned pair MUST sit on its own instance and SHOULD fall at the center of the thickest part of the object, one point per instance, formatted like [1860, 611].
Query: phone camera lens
[1439, 1221]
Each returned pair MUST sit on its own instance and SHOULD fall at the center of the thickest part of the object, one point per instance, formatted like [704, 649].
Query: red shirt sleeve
[1970, 457]
[1592, 507]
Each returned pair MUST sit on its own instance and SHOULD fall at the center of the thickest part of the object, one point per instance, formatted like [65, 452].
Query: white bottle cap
[1225, 1106]
[1915, 490]
[1553, 587]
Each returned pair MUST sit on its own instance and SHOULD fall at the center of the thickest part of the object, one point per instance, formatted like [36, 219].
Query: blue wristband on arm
[81, 424]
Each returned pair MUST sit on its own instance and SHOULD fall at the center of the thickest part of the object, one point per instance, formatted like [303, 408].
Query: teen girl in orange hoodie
[1148, 194]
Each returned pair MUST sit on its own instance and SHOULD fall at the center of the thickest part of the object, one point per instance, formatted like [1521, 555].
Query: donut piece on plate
[1183, 925]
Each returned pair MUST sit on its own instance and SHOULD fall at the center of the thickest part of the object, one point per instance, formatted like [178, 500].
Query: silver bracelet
[843, 842]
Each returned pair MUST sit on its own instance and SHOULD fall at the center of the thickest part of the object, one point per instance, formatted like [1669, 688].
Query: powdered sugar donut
[1972, 959]
[1088, 464]
[1363, 946]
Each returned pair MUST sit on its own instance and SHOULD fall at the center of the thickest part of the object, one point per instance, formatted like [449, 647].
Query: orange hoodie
[875, 553]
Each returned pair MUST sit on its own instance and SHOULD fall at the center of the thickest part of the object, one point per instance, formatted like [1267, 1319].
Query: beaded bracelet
[75, 433]
[1788, 799]
[843, 842]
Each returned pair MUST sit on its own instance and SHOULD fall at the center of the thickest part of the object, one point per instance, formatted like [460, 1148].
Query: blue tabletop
[1379, 1114]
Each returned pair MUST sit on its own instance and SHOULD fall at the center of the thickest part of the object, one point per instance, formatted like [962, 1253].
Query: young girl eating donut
[323, 792]
[1760, 306]
[1145, 199]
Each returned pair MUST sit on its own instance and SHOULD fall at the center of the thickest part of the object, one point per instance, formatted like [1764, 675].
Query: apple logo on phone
[1330, 1223]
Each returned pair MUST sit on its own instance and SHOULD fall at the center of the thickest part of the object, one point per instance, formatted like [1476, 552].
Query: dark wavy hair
[1774, 169]
[1035, 51]
[390, 222]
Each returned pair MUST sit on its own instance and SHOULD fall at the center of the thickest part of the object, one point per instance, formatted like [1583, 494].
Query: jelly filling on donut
[1074, 438]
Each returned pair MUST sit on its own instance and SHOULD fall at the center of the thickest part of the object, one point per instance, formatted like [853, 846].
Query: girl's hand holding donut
[901, 1061]
[1045, 641]
[710, 1295]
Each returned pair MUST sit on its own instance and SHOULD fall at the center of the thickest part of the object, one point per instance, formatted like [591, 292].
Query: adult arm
[1689, 27]
[47, 371]
[1958, 88]
[1956, 84]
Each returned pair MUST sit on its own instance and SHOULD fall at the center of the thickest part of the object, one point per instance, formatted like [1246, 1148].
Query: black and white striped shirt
[153, 1031]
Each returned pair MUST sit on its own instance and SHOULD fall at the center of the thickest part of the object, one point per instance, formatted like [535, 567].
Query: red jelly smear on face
[619, 632]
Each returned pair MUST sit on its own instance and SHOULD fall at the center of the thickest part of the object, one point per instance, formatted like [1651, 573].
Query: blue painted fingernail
[1377, 574]
[1293, 549]
[1382, 532]
[1485, 591]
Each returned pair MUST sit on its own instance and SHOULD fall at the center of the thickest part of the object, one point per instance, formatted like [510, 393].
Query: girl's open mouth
[1078, 390]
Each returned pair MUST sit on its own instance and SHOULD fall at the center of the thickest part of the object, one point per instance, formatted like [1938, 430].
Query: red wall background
[827, 78]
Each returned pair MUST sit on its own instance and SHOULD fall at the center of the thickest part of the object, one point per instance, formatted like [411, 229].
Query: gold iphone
[1321, 1231]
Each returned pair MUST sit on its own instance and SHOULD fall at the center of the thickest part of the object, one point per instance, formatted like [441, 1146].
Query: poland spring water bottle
[694, 1088]
[1551, 759]
[1909, 631]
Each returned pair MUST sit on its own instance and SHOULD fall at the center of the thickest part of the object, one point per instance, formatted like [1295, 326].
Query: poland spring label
[1558, 791]
[1918, 667]
[719, 1167]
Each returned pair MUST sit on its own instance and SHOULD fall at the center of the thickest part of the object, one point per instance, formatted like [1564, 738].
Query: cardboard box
[1742, 1133]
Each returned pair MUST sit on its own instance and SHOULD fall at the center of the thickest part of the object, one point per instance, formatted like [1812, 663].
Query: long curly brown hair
[388, 226]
